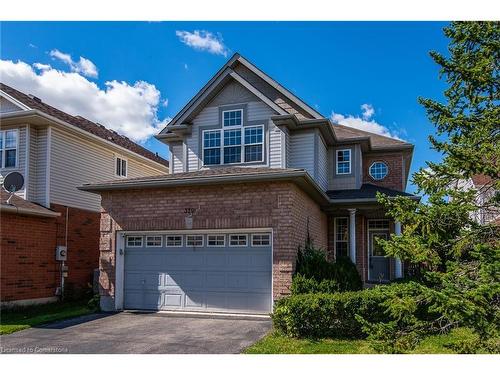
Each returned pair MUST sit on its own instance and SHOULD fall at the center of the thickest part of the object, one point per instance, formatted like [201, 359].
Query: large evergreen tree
[455, 260]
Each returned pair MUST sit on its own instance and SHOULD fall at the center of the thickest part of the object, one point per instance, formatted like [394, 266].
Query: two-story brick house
[55, 152]
[254, 170]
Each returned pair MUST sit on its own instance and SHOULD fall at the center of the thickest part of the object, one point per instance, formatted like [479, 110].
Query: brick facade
[29, 269]
[278, 205]
[28, 266]
[394, 161]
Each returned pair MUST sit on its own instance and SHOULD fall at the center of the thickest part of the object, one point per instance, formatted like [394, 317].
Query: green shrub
[312, 264]
[304, 285]
[328, 315]
[95, 302]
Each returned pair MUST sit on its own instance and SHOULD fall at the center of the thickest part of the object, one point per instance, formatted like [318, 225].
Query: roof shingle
[82, 123]
[367, 191]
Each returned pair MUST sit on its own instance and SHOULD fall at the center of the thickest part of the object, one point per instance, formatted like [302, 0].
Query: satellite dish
[13, 182]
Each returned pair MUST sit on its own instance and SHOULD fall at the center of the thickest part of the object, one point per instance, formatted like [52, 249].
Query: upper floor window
[8, 148]
[121, 167]
[378, 170]
[344, 161]
[232, 118]
[233, 146]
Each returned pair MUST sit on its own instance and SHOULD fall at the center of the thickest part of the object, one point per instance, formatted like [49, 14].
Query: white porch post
[398, 265]
[352, 234]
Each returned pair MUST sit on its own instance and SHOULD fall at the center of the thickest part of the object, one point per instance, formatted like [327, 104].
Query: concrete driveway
[139, 333]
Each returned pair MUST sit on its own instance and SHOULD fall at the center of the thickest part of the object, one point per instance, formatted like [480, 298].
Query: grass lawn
[274, 343]
[22, 318]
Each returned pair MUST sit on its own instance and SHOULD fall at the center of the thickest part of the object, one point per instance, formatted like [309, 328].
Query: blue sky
[334, 66]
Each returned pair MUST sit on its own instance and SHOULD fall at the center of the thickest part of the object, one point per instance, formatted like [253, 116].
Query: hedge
[304, 285]
[328, 315]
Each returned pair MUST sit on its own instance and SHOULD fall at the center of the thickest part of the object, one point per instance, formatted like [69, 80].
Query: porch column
[352, 234]
[398, 269]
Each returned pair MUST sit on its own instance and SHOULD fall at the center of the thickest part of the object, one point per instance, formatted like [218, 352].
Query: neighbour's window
[153, 241]
[232, 118]
[121, 167]
[378, 170]
[174, 241]
[134, 241]
[344, 161]
[341, 237]
[194, 240]
[8, 148]
[216, 240]
[261, 239]
[238, 240]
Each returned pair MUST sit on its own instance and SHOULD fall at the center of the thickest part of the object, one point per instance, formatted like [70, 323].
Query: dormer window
[232, 118]
[344, 161]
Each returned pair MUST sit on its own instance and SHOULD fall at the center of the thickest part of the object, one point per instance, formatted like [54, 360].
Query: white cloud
[83, 66]
[204, 41]
[186, 66]
[129, 109]
[364, 122]
[368, 111]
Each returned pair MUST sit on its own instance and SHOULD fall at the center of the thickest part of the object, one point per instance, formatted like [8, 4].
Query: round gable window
[378, 170]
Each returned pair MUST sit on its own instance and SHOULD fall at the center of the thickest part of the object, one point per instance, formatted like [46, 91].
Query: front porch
[353, 232]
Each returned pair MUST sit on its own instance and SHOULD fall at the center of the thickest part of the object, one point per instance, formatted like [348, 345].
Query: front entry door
[379, 263]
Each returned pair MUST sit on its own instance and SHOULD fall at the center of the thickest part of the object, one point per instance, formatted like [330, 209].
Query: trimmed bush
[304, 285]
[328, 315]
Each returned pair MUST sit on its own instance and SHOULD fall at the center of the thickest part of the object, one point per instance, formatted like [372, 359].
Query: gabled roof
[35, 103]
[253, 79]
[347, 134]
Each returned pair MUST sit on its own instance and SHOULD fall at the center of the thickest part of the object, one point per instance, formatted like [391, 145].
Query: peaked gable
[9, 104]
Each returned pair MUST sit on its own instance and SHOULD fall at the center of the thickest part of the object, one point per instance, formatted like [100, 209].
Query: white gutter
[27, 211]
[35, 112]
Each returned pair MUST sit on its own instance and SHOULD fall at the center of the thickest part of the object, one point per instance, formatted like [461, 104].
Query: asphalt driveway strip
[137, 333]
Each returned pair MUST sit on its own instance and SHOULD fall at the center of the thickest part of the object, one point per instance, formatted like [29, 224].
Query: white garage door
[216, 272]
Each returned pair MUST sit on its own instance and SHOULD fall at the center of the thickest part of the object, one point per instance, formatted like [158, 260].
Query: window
[154, 241]
[378, 224]
[378, 170]
[216, 240]
[261, 239]
[211, 147]
[341, 237]
[194, 240]
[232, 146]
[343, 161]
[238, 240]
[134, 241]
[254, 141]
[121, 167]
[174, 241]
[232, 118]
[8, 148]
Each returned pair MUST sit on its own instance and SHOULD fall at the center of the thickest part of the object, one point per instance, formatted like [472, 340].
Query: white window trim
[232, 110]
[239, 234]
[337, 160]
[126, 170]
[216, 235]
[174, 235]
[335, 235]
[242, 146]
[370, 170]
[161, 241]
[253, 144]
[142, 241]
[261, 234]
[2, 149]
[195, 235]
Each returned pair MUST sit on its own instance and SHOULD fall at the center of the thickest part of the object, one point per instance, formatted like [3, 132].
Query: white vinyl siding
[20, 155]
[352, 180]
[177, 158]
[38, 168]
[75, 162]
[276, 146]
[8, 106]
[302, 150]
[209, 116]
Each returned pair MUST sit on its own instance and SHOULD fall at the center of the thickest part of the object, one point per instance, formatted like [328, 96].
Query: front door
[379, 263]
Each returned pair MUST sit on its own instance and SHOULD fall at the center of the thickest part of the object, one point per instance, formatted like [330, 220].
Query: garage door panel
[227, 279]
